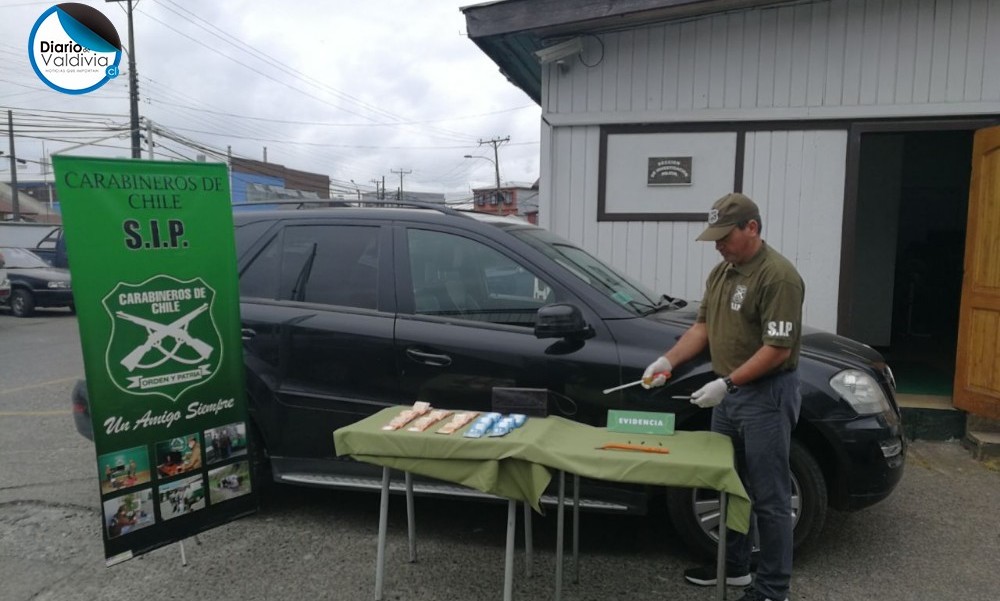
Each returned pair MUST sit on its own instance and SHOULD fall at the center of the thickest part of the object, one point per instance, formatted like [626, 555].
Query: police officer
[750, 321]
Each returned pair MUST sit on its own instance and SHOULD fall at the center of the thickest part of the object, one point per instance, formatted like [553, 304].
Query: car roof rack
[322, 203]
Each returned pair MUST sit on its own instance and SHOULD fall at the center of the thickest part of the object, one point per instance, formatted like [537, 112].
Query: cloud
[352, 90]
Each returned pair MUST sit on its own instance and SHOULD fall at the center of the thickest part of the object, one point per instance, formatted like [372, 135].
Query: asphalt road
[936, 537]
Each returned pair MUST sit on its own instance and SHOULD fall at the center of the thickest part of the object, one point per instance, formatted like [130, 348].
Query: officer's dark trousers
[759, 418]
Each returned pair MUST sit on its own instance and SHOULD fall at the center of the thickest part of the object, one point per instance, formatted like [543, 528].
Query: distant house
[519, 199]
[408, 195]
[36, 201]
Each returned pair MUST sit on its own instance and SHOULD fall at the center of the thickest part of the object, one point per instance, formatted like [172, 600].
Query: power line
[285, 68]
[297, 74]
[332, 124]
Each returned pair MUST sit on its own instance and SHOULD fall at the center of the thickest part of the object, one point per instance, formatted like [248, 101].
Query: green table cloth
[517, 466]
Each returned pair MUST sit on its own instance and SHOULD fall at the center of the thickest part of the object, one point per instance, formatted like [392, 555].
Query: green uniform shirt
[748, 306]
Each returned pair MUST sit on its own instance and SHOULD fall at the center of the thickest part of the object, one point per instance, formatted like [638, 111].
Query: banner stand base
[180, 544]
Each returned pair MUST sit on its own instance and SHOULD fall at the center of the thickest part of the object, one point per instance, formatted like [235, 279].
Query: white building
[850, 122]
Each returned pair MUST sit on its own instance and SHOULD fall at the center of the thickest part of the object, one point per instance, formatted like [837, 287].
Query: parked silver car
[34, 283]
[4, 282]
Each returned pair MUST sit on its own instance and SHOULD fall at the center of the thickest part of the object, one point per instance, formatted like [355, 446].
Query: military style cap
[726, 212]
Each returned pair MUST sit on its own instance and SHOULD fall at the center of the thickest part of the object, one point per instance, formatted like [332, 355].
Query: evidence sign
[640, 422]
[153, 262]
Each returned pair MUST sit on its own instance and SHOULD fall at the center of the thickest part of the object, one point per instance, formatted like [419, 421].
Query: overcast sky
[353, 90]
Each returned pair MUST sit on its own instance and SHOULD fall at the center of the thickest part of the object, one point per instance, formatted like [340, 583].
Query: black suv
[346, 311]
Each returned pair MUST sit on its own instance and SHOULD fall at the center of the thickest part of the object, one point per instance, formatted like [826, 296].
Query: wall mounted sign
[646, 174]
[668, 171]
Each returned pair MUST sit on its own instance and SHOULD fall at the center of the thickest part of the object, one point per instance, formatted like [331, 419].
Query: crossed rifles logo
[156, 333]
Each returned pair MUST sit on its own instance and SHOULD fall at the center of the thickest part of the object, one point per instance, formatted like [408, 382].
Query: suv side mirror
[561, 320]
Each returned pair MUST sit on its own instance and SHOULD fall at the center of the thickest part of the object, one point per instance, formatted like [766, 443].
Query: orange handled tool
[623, 446]
[665, 374]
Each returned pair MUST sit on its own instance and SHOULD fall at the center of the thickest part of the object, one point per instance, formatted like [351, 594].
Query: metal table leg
[576, 528]
[383, 522]
[559, 533]
[508, 570]
[720, 565]
[411, 520]
[528, 547]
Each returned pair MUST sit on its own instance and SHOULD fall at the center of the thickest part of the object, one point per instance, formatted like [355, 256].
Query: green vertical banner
[153, 262]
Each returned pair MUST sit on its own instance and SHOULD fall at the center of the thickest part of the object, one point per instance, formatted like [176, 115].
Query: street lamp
[496, 167]
[358, 188]
[20, 162]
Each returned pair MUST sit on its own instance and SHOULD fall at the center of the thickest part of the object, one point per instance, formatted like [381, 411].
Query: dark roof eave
[514, 55]
[564, 17]
[510, 31]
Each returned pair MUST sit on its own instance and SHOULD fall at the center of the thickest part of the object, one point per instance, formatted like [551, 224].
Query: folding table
[519, 466]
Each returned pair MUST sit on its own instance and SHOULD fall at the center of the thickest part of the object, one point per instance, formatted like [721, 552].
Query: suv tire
[263, 477]
[690, 509]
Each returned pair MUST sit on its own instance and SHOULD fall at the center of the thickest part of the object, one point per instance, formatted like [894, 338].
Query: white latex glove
[710, 394]
[657, 373]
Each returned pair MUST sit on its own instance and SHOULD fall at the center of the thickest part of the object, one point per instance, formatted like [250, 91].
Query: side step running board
[428, 489]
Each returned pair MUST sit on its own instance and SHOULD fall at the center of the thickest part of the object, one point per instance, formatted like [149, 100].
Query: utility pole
[46, 162]
[401, 174]
[15, 209]
[133, 84]
[496, 142]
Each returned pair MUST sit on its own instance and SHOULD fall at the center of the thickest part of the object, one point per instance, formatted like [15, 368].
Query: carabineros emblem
[164, 340]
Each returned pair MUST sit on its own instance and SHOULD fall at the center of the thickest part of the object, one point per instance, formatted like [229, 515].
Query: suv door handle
[428, 358]
[248, 334]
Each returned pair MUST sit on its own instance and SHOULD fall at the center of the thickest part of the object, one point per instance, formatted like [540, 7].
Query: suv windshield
[617, 287]
[18, 258]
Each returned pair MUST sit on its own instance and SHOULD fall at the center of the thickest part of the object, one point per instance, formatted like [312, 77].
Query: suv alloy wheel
[695, 512]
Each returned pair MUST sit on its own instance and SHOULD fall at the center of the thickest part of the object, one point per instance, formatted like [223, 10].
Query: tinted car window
[259, 279]
[590, 270]
[246, 233]
[453, 275]
[326, 264]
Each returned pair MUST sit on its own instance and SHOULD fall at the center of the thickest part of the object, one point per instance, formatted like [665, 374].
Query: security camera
[560, 51]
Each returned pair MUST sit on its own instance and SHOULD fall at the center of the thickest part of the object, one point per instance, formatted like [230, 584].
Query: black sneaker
[706, 576]
[752, 594]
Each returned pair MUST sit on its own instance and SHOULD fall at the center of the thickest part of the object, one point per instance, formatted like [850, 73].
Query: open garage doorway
[904, 250]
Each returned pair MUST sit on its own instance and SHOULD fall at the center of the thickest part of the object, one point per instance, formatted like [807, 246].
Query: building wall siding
[838, 59]
[797, 179]
[835, 53]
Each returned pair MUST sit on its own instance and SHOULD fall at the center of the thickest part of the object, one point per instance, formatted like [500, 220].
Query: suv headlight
[862, 392]
[57, 284]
